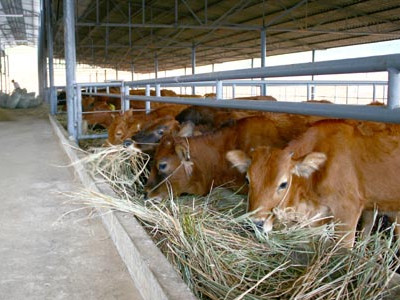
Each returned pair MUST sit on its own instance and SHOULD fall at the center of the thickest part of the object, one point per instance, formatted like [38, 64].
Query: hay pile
[208, 242]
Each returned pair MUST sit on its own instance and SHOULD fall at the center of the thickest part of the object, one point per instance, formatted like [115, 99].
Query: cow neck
[207, 153]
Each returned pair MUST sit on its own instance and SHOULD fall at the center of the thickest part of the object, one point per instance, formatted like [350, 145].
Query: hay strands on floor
[210, 245]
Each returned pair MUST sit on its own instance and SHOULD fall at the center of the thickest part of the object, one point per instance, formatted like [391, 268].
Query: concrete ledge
[151, 272]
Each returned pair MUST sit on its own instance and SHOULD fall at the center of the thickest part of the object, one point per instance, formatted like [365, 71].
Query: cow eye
[162, 166]
[247, 179]
[283, 185]
[160, 131]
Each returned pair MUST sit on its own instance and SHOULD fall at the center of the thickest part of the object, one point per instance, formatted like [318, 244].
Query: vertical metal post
[393, 88]
[1, 71]
[70, 62]
[233, 91]
[39, 53]
[122, 93]
[373, 92]
[219, 90]
[132, 72]
[78, 109]
[158, 90]
[252, 87]
[148, 105]
[96, 77]
[312, 77]
[116, 73]
[130, 22]
[263, 56]
[205, 12]
[143, 11]
[97, 12]
[155, 65]
[127, 101]
[193, 65]
[105, 75]
[176, 12]
[49, 25]
[7, 72]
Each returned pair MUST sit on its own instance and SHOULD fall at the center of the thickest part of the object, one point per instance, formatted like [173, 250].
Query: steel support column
[263, 57]
[312, 76]
[193, 66]
[70, 63]
[49, 35]
[393, 88]
[40, 51]
[148, 105]
[1, 72]
[156, 65]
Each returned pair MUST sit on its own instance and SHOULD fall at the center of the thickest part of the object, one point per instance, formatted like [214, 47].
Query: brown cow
[213, 117]
[265, 98]
[101, 114]
[126, 125]
[119, 128]
[166, 110]
[148, 138]
[334, 168]
[195, 164]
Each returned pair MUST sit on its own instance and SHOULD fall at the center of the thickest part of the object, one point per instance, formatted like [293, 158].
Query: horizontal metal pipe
[100, 84]
[235, 27]
[352, 65]
[278, 83]
[358, 112]
[173, 26]
[102, 95]
[93, 136]
[92, 112]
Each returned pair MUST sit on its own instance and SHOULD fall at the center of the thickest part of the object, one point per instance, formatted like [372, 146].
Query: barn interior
[144, 37]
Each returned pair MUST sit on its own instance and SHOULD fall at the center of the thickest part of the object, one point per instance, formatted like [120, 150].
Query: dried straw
[208, 241]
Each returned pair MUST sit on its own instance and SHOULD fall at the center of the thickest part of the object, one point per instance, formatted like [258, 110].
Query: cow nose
[259, 224]
[127, 143]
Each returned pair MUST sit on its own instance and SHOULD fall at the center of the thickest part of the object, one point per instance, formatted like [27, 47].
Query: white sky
[23, 65]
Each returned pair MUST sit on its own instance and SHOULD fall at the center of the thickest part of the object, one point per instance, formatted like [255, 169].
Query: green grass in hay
[207, 241]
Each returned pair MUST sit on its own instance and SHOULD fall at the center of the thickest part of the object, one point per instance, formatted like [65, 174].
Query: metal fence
[388, 63]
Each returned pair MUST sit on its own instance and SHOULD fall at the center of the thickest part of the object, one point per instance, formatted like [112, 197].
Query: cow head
[172, 170]
[147, 138]
[274, 177]
[119, 127]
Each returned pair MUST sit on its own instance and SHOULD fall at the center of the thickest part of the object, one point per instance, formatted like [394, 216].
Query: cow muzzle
[264, 225]
[154, 199]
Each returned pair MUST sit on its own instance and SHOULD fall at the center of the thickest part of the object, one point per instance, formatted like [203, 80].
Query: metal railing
[388, 63]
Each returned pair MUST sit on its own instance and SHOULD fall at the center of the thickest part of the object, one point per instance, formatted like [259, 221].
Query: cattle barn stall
[144, 36]
[151, 36]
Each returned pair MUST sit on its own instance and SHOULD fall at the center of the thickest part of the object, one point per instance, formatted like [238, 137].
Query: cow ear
[239, 160]
[187, 129]
[182, 152]
[312, 162]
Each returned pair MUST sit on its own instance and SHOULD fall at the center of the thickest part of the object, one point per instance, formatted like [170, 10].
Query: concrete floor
[44, 255]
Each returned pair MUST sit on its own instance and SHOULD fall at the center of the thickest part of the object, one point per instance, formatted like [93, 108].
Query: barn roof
[122, 33]
[19, 22]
